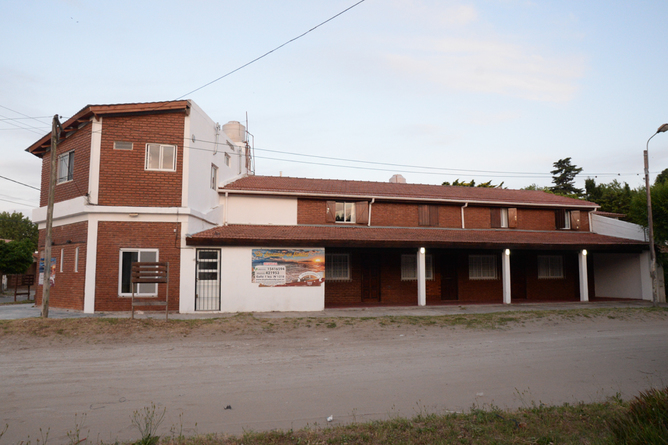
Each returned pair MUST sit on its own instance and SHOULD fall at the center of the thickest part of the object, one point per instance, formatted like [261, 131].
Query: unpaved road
[301, 377]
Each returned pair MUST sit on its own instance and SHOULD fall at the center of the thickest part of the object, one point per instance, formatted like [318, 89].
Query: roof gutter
[408, 199]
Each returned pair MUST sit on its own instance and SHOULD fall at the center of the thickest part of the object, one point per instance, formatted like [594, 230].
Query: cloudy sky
[433, 90]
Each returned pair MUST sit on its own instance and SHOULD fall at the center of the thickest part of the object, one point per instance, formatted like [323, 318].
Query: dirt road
[288, 380]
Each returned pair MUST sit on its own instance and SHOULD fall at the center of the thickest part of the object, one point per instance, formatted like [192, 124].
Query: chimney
[398, 179]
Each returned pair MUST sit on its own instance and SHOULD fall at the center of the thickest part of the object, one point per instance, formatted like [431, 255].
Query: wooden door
[449, 287]
[371, 277]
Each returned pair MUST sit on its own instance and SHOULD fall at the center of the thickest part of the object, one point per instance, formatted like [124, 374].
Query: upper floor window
[345, 212]
[337, 266]
[550, 266]
[160, 157]
[214, 177]
[427, 215]
[567, 219]
[409, 267]
[503, 217]
[66, 167]
[482, 267]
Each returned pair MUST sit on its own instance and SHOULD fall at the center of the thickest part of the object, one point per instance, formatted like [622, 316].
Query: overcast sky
[443, 89]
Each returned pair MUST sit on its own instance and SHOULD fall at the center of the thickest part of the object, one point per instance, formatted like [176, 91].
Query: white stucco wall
[240, 294]
[620, 229]
[200, 155]
[260, 210]
[619, 275]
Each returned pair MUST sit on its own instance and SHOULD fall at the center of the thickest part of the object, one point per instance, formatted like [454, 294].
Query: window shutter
[560, 218]
[433, 216]
[512, 217]
[495, 215]
[331, 211]
[423, 215]
[575, 220]
[362, 212]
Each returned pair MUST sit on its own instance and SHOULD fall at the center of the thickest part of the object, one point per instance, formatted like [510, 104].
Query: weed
[645, 421]
[74, 436]
[331, 325]
[147, 421]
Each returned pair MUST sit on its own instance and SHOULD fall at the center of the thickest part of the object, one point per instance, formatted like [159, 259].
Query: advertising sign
[288, 267]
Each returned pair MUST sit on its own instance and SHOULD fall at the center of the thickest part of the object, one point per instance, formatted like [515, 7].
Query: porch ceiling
[362, 236]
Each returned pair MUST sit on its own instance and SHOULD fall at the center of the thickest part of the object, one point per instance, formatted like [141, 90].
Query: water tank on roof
[398, 179]
[235, 131]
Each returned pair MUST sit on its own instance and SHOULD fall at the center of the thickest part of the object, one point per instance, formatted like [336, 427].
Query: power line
[269, 52]
[21, 118]
[18, 203]
[26, 116]
[13, 180]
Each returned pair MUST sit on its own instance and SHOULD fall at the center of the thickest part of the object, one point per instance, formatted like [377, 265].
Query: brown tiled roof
[610, 214]
[339, 189]
[363, 236]
[72, 124]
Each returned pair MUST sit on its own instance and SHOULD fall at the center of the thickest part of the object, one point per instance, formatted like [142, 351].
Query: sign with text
[288, 267]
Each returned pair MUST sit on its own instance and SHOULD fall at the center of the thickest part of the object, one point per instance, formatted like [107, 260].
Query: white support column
[584, 283]
[505, 271]
[91, 265]
[421, 278]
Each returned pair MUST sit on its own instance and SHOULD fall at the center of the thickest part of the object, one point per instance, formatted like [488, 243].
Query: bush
[645, 421]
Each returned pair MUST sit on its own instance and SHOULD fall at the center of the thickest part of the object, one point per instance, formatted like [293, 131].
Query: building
[142, 182]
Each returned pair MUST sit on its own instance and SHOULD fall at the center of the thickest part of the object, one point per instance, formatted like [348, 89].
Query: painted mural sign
[52, 278]
[288, 267]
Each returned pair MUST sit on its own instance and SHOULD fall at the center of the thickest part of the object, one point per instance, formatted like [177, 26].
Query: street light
[652, 271]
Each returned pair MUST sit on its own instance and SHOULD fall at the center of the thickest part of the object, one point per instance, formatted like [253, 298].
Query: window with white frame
[337, 266]
[160, 157]
[66, 167]
[504, 218]
[214, 177]
[126, 258]
[120, 145]
[567, 220]
[409, 267]
[76, 259]
[550, 266]
[227, 159]
[482, 267]
[345, 212]
[62, 259]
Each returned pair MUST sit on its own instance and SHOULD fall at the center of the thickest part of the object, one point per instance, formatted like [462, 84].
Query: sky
[432, 90]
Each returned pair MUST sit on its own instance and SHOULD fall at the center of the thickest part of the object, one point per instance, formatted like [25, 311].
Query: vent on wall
[118, 145]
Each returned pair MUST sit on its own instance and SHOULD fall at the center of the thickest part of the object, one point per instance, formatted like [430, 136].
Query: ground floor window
[550, 266]
[482, 267]
[126, 258]
[337, 266]
[409, 267]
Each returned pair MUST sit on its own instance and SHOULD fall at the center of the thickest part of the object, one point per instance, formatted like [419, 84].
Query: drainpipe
[463, 207]
[370, 205]
[225, 210]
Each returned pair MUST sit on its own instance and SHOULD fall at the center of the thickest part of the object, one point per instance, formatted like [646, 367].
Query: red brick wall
[80, 143]
[450, 216]
[68, 291]
[553, 289]
[311, 211]
[477, 218]
[347, 292]
[490, 291]
[112, 236]
[123, 180]
[535, 219]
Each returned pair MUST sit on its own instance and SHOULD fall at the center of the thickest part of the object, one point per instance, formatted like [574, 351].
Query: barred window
[482, 267]
[337, 266]
[550, 266]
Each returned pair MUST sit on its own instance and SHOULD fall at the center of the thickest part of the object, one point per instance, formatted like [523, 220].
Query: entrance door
[370, 278]
[518, 276]
[207, 280]
[449, 287]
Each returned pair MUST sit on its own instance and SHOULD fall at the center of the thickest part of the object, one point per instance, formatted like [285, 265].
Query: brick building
[161, 181]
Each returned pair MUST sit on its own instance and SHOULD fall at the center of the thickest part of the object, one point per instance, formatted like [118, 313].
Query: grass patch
[247, 323]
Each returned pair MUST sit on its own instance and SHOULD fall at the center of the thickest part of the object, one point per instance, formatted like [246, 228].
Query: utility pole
[46, 286]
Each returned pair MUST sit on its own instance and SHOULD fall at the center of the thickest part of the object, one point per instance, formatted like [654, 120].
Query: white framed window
[567, 220]
[482, 267]
[550, 266]
[337, 266]
[227, 159]
[345, 212]
[76, 259]
[214, 177]
[126, 258]
[120, 145]
[160, 157]
[66, 167]
[409, 267]
[504, 218]
[62, 259]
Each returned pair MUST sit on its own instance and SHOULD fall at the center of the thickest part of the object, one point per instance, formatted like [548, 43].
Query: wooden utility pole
[46, 286]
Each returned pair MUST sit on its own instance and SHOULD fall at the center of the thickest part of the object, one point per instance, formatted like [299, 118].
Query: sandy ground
[301, 376]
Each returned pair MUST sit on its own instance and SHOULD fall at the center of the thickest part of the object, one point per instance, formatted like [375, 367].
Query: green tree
[535, 186]
[15, 256]
[563, 177]
[662, 177]
[638, 210]
[16, 227]
[458, 183]
[613, 197]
